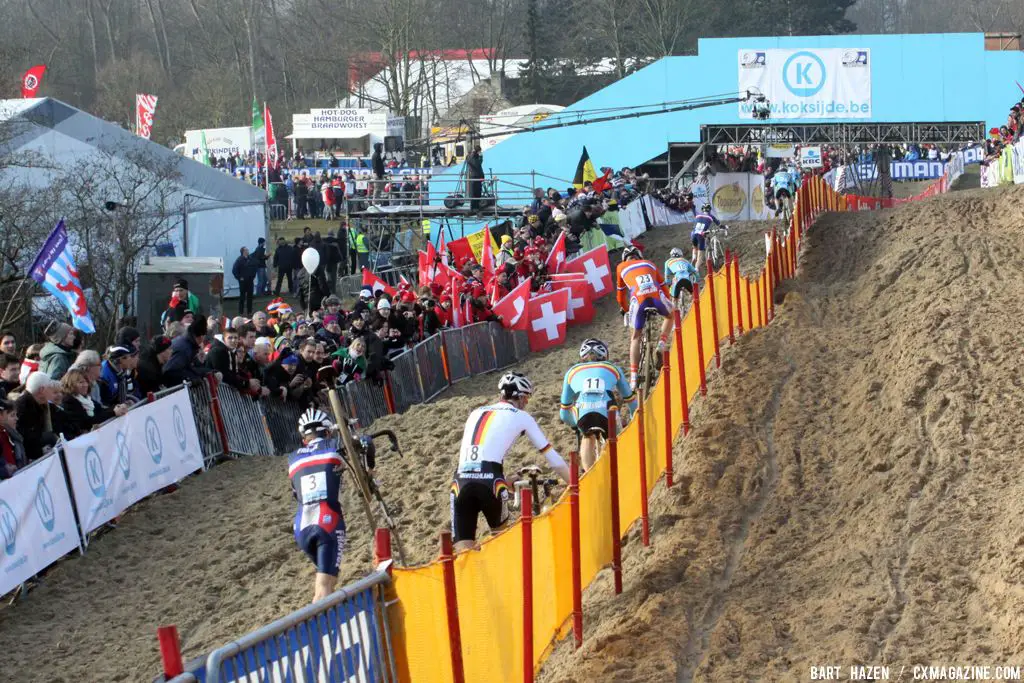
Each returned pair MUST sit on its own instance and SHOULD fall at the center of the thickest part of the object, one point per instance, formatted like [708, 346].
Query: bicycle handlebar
[391, 437]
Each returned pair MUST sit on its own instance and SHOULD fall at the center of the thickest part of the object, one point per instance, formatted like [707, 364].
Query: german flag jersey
[490, 432]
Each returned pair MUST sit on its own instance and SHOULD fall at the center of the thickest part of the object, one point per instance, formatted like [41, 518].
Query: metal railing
[405, 382]
[243, 420]
[458, 364]
[202, 410]
[282, 418]
[345, 636]
[366, 401]
[430, 364]
[479, 348]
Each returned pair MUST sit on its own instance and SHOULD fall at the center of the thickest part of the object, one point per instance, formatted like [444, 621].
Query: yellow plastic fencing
[489, 582]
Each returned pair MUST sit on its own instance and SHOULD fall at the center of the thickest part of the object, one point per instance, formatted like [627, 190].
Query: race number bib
[645, 284]
[314, 487]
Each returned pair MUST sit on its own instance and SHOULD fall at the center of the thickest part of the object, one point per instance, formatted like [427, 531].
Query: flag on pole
[145, 108]
[258, 132]
[584, 170]
[271, 138]
[32, 79]
[54, 268]
[204, 151]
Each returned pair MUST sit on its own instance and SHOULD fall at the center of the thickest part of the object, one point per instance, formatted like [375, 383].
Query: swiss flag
[581, 307]
[455, 292]
[512, 307]
[376, 284]
[32, 79]
[425, 266]
[442, 248]
[596, 268]
[461, 251]
[549, 319]
[556, 259]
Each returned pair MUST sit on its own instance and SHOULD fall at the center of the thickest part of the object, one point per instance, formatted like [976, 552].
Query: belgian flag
[584, 170]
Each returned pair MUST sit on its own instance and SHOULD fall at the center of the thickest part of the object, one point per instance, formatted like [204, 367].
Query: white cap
[263, 341]
[383, 303]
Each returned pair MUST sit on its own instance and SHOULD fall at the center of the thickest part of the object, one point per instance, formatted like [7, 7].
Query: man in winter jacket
[244, 270]
[117, 381]
[12, 446]
[35, 421]
[58, 353]
[150, 371]
[284, 263]
[183, 365]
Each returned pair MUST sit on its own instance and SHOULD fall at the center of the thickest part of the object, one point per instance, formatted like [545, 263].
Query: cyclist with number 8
[590, 387]
[479, 485]
[641, 288]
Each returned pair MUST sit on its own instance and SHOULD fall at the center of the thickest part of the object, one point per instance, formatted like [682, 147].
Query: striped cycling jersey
[589, 386]
[639, 280]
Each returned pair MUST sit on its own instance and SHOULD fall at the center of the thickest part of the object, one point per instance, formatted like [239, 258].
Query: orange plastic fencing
[489, 580]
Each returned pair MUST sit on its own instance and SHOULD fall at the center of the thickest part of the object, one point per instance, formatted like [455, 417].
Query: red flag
[549, 319]
[271, 139]
[567, 277]
[145, 108]
[512, 307]
[442, 248]
[461, 251]
[32, 79]
[376, 284]
[401, 278]
[424, 266]
[488, 261]
[455, 283]
[556, 259]
[596, 267]
[581, 307]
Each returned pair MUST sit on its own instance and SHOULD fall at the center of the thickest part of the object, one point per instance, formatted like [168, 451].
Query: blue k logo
[44, 505]
[804, 74]
[8, 528]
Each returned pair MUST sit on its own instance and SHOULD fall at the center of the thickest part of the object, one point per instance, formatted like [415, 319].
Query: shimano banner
[830, 83]
[131, 457]
[37, 521]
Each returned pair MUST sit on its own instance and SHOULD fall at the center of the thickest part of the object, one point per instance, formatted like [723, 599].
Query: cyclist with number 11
[590, 387]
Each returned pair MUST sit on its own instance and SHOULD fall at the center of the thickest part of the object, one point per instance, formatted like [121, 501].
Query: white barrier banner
[829, 83]
[131, 457]
[738, 196]
[37, 521]
[1018, 162]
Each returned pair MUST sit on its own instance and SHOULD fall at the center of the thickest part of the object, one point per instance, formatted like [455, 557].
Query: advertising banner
[219, 141]
[131, 457]
[37, 521]
[738, 196]
[810, 157]
[338, 124]
[780, 151]
[830, 83]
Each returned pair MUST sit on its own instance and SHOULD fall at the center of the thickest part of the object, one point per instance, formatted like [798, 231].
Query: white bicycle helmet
[596, 347]
[515, 385]
[314, 420]
[675, 253]
[631, 253]
[705, 208]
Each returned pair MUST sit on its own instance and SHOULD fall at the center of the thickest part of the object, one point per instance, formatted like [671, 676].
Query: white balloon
[310, 259]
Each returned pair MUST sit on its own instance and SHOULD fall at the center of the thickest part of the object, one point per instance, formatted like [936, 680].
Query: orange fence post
[170, 651]
[700, 340]
[574, 526]
[526, 516]
[452, 604]
[444, 361]
[644, 522]
[735, 276]
[382, 547]
[714, 313]
[682, 372]
[613, 463]
[218, 416]
[666, 377]
[389, 396]
[792, 257]
[728, 295]
[762, 295]
[750, 308]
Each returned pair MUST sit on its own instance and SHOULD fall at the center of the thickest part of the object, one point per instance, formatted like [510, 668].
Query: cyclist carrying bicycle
[589, 389]
[315, 474]
[704, 220]
[479, 485]
[680, 273]
[641, 288]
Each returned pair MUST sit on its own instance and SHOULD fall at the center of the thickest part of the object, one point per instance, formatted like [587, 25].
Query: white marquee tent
[212, 213]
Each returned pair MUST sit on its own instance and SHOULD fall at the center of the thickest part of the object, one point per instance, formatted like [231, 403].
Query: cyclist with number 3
[641, 288]
[590, 387]
[479, 485]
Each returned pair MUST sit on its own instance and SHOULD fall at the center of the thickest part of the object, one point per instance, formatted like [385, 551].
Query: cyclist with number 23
[640, 288]
[479, 485]
[590, 387]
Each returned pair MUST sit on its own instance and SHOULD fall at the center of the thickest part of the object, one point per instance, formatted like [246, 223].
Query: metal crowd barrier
[282, 419]
[405, 382]
[202, 411]
[366, 401]
[345, 637]
[247, 433]
[521, 342]
[458, 364]
[431, 366]
[504, 345]
[157, 395]
[479, 348]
